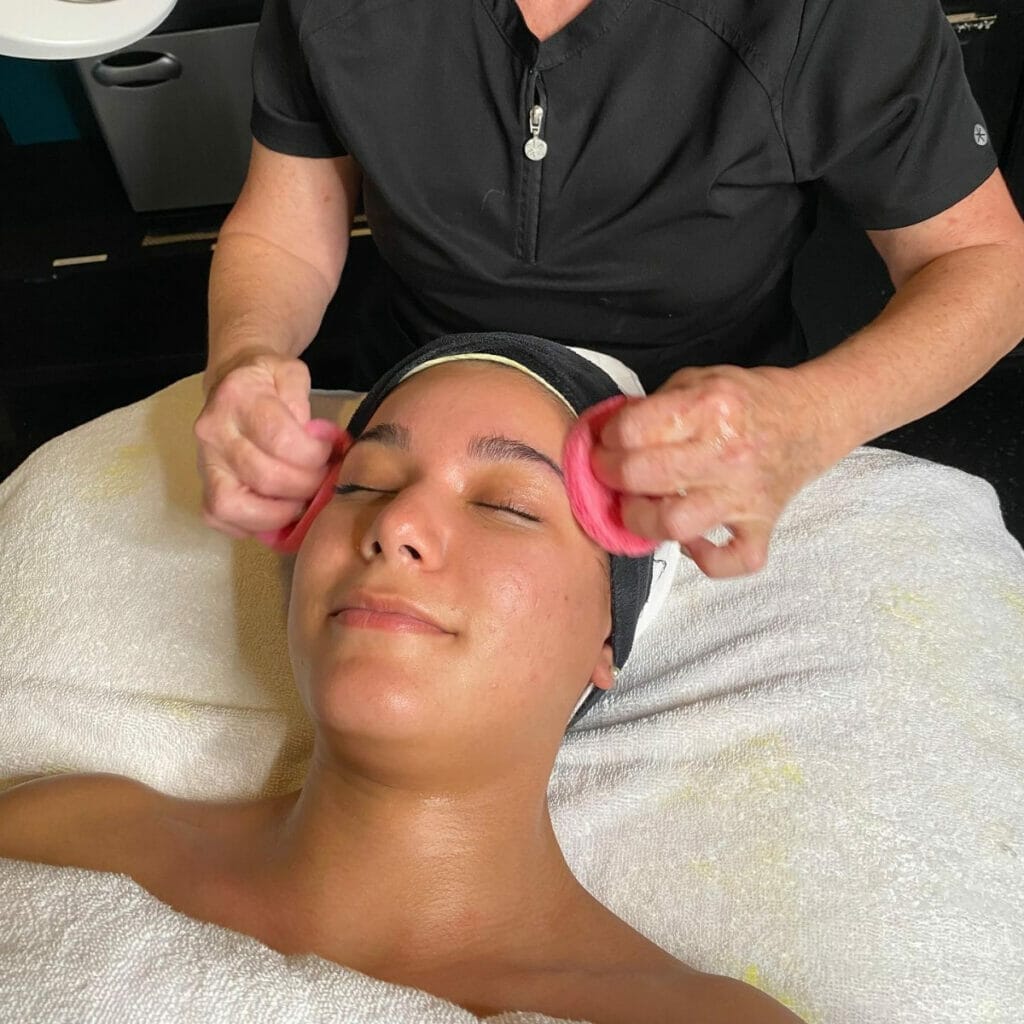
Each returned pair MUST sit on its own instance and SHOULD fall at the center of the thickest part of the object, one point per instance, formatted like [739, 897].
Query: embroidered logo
[980, 135]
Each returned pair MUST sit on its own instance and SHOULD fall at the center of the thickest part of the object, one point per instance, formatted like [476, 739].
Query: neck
[401, 882]
[546, 17]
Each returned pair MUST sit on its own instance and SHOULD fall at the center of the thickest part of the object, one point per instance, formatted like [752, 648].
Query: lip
[379, 611]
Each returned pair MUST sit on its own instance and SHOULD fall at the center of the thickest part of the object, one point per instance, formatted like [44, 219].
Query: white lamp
[63, 29]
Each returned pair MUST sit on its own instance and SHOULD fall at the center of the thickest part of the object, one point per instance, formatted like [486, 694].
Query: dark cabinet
[992, 42]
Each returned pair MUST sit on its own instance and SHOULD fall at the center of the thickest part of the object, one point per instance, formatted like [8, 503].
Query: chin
[370, 696]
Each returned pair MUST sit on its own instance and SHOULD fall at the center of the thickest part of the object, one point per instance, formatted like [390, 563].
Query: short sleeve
[877, 108]
[287, 116]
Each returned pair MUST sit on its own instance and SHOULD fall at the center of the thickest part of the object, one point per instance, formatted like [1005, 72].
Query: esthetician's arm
[958, 309]
[278, 260]
[729, 445]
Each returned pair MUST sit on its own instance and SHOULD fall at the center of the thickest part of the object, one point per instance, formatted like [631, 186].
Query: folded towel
[811, 779]
[77, 946]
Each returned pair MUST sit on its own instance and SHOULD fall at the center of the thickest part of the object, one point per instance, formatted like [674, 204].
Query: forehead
[475, 394]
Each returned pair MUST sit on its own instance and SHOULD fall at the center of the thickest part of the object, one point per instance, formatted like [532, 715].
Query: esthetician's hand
[259, 466]
[718, 445]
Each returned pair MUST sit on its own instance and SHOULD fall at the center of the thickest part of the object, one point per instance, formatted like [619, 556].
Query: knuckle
[251, 471]
[728, 402]
[268, 422]
[739, 453]
[208, 429]
[229, 387]
[263, 478]
[666, 463]
[678, 520]
[202, 429]
[753, 558]
[274, 437]
[629, 475]
[607, 468]
[298, 369]
[218, 508]
[209, 517]
[218, 503]
[725, 396]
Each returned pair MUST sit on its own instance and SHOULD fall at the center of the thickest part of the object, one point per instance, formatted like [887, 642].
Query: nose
[408, 529]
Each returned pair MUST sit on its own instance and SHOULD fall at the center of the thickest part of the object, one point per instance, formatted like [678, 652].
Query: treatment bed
[811, 779]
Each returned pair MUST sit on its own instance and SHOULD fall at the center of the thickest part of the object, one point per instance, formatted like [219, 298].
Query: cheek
[520, 596]
[542, 611]
[300, 633]
[318, 567]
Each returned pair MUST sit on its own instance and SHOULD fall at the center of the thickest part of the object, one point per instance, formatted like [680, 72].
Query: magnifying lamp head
[68, 29]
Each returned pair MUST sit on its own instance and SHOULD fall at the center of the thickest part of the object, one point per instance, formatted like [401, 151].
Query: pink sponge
[598, 508]
[288, 539]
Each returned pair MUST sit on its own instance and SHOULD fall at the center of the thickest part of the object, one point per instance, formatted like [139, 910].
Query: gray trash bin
[174, 109]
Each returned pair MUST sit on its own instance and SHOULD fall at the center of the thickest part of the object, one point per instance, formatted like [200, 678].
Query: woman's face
[449, 511]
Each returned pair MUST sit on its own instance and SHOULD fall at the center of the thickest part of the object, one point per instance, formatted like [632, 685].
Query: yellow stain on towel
[183, 710]
[763, 764]
[923, 650]
[759, 856]
[752, 976]
[124, 474]
[924, 662]
[1015, 599]
[708, 870]
[988, 1011]
[908, 607]
[766, 761]
[748, 787]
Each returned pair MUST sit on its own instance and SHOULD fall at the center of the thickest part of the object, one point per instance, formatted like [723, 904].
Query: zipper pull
[536, 148]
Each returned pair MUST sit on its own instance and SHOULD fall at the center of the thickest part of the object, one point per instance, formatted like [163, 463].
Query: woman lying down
[447, 618]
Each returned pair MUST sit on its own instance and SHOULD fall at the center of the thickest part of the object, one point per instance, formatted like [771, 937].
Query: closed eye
[352, 488]
[515, 511]
[512, 509]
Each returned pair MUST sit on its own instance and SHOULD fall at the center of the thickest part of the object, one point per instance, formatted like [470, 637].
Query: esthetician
[633, 176]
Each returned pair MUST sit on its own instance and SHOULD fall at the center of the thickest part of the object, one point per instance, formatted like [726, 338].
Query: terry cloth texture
[811, 778]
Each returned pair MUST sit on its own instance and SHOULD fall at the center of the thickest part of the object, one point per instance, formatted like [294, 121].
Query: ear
[602, 676]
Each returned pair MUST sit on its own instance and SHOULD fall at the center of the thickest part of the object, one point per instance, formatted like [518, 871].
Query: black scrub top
[685, 140]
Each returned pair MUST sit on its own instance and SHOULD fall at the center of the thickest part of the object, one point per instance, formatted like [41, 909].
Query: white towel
[811, 779]
[79, 947]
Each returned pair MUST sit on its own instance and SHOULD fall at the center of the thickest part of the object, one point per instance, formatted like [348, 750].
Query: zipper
[534, 150]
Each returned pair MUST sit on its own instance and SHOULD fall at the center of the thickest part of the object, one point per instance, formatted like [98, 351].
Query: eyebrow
[389, 434]
[505, 449]
[489, 448]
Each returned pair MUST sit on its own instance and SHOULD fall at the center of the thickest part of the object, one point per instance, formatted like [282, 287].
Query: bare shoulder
[74, 820]
[656, 994]
[639, 982]
[670, 994]
[719, 999]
